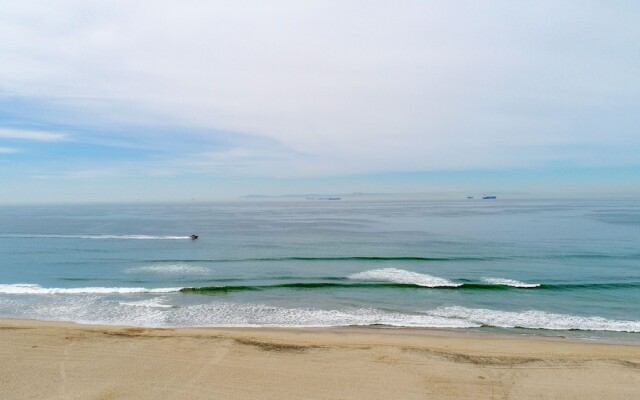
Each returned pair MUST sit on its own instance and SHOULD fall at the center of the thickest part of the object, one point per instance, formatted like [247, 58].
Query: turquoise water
[541, 267]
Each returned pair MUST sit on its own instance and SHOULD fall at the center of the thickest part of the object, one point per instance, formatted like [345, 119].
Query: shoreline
[65, 360]
[472, 333]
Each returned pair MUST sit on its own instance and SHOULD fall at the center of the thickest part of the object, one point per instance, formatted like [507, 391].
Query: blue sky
[213, 100]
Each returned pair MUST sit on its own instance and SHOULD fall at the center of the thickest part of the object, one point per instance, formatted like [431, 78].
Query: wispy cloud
[82, 174]
[8, 150]
[6, 133]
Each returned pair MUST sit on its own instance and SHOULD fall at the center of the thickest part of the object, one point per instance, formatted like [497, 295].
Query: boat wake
[102, 237]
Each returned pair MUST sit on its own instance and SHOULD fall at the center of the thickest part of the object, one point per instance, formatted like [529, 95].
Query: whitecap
[27, 288]
[403, 276]
[509, 282]
[171, 269]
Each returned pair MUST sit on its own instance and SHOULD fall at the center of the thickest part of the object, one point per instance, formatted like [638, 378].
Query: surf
[509, 282]
[403, 276]
[535, 319]
[27, 288]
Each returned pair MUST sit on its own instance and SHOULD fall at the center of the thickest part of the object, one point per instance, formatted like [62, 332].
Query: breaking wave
[376, 279]
[403, 276]
[509, 282]
[27, 288]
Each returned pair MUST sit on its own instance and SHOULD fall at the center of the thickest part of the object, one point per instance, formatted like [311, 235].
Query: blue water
[542, 267]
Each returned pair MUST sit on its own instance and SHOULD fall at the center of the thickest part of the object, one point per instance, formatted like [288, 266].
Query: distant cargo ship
[485, 197]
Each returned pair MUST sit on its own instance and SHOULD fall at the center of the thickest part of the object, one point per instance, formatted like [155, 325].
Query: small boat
[485, 197]
[193, 237]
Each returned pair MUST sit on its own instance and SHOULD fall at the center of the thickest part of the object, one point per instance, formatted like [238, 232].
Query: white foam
[153, 312]
[509, 282]
[249, 315]
[535, 319]
[96, 309]
[135, 237]
[26, 288]
[91, 309]
[121, 237]
[402, 276]
[171, 269]
[155, 302]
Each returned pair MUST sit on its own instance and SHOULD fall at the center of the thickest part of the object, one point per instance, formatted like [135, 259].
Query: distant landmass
[381, 195]
[317, 196]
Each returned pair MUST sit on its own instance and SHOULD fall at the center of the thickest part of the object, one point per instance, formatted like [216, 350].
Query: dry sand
[44, 360]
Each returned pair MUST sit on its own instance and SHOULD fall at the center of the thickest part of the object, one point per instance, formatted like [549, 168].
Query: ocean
[557, 268]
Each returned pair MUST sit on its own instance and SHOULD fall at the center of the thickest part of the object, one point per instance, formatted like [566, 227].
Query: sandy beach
[50, 360]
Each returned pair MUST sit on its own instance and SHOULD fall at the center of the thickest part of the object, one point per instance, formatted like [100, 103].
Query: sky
[204, 100]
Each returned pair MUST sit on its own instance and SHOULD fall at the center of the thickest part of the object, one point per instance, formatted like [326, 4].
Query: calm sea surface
[567, 268]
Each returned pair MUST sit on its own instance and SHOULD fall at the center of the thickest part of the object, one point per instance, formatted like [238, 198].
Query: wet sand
[50, 360]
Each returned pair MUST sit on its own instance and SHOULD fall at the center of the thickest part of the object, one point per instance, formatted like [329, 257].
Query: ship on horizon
[324, 198]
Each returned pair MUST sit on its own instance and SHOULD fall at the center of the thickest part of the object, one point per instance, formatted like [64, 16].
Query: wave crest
[403, 276]
[28, 288]
[171, 269]
[509, 282]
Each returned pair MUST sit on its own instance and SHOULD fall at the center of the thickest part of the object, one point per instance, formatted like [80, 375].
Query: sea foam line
[95, 309]
[155, 302]
[28, 288]
[509, 282]
[403, 276]
[535, 319]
